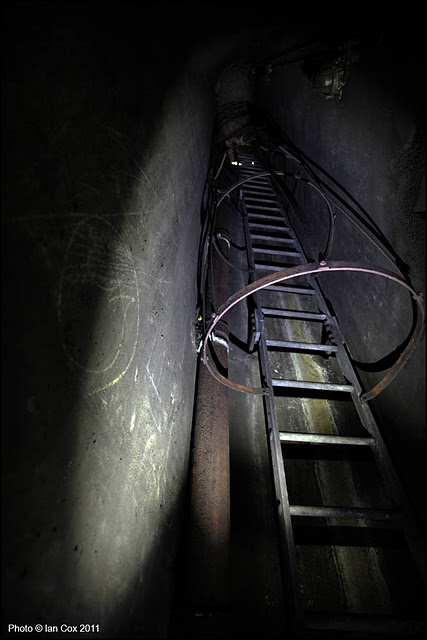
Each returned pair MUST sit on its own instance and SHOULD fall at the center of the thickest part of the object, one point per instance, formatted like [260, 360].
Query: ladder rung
[306, 511]
[305, 346]
[267, 225]
[259, 183]
[264, 216]
[271, 267]
[262, 207]
[290, 289]
[249, 170]
[257, 236]
[255, 192]
[296, 315]
[312, 386]
[252, 185]
[325, 438]
[258, 191]
[266, 200]
[276, 252]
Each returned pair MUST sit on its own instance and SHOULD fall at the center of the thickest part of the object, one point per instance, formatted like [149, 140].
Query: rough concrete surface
[106, 163]
[107, 122]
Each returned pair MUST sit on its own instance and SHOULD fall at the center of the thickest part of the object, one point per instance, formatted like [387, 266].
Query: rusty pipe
[209, 537]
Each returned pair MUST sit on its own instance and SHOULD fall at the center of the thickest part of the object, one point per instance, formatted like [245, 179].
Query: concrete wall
[372, 143]
[107, 119]
[106, 144]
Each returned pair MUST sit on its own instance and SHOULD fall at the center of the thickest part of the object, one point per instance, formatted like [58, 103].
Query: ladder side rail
[288, 201]
[285, 194]
[386, 467]
[414, 538]
[286, 536]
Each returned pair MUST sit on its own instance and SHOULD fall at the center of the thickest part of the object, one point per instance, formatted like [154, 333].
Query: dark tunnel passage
[122, 125]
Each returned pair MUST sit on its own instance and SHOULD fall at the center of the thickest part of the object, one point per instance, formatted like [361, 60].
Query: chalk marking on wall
[117, 135]
[85, 265]
[153, 383]
[151, 440]
[156, 422]
[148, 181]
[155, 277]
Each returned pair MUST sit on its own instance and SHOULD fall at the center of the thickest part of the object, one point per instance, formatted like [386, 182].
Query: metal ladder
[269, 236]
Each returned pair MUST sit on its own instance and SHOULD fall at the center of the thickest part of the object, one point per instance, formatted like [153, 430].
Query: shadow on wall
[96, 401]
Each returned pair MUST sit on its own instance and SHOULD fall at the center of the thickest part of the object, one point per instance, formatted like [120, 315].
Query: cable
[368, 234]
[293, 175]
[224, 155]
[210, 239]
[386, 250]
[223, 257]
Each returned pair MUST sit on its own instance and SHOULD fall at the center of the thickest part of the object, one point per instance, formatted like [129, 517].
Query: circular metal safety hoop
[307, 269]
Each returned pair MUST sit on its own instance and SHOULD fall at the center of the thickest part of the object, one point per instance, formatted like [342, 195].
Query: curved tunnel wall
[106, 148]
[107, 123]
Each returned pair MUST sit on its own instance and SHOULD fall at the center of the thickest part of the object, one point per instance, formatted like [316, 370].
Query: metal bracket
[254, 330]
[219, 340]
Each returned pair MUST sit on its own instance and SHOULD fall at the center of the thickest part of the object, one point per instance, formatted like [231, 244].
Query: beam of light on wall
[116, 474]
[135, 364]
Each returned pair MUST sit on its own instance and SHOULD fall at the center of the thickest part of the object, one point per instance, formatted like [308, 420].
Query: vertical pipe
[208, 552]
